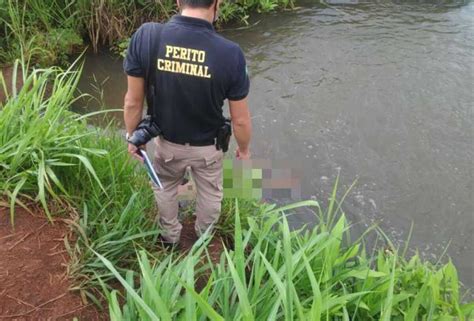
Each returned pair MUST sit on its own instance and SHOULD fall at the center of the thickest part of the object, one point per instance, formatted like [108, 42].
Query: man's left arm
[133, 108]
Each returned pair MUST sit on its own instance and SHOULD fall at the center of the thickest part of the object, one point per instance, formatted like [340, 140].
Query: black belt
[193, 143]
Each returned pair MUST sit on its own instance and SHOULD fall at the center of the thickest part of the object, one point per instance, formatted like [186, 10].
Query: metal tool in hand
[149, 168]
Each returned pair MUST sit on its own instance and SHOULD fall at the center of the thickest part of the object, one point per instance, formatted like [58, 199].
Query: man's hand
[133, 151]
[242, 155]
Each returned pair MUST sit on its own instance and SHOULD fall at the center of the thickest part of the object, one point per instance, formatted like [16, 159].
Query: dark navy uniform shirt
[189, 70]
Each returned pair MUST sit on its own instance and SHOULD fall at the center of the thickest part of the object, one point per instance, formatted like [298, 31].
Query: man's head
[208, 7]
[203, 4]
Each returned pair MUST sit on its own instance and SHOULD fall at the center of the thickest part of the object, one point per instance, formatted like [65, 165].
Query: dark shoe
[170, 246]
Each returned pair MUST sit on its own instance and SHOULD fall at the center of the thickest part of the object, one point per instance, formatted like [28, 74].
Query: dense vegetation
[273, 273]
[49, 31]
[267, 272]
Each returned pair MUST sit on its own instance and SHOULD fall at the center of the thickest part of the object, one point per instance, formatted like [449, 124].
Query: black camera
[146, 130]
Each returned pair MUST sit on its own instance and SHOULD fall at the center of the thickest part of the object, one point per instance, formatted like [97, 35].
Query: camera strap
[150, 75]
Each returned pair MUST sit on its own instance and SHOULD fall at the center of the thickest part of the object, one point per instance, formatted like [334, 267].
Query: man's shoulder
[149, 27]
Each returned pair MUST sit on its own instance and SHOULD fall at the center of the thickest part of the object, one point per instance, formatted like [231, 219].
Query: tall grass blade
[244, 304]
[203, 305]
[129, 289]
[387, 310]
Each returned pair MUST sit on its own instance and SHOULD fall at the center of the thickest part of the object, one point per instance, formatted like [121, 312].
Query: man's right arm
[134, 68]
[242, 126]
[133, 108]
[133, 103]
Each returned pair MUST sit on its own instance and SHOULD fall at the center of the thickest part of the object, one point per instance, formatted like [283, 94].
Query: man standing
[186, 71]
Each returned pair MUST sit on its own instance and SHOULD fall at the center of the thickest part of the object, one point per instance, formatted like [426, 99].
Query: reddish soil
[215, 248]
[189, 237]
[34, 282]
[8, 75]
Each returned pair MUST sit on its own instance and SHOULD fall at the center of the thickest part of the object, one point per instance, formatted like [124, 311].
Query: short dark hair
[196, 3]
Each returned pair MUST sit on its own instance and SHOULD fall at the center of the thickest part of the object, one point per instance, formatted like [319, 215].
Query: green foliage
[226, 224]
[120, 47]
[240, 10]
[114, 220]
[273, 273]
[56, 46]
[39, 136]
[109, 22]
[230, 10]
[49, 31]
[42, 31]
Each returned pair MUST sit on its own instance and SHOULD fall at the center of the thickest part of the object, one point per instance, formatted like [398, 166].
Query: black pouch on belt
[223, 136]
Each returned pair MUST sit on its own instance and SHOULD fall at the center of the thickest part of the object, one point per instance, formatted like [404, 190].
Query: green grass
[114, 220]
[40, 137]
[274, 273]
[45, 32]
[49, 31]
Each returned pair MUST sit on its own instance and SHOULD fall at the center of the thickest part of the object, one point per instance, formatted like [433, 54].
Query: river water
[381, 92]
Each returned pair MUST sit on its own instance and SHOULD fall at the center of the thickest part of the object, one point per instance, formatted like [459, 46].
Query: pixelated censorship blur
[260, 178]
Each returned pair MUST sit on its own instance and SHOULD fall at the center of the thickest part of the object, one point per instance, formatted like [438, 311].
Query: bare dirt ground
[34, 282]
[189, 237]
[187, 192]
[7, 76]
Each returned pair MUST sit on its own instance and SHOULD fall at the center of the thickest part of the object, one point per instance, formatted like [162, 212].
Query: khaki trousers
[170, 162]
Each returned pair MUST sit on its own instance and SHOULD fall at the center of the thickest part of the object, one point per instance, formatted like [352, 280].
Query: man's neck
[199, 13]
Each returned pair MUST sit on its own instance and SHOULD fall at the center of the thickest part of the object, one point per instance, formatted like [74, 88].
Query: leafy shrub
[57, 45]
[39, 136]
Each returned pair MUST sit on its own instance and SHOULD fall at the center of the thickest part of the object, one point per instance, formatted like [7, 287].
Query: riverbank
[55, 160]
[49, 32]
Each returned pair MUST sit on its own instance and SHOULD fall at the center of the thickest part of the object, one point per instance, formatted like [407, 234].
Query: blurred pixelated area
[253, 179]
[261, 179]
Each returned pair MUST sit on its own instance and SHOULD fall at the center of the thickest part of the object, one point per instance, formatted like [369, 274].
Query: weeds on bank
[116, 219]
[40, 137]
[49, 31]
[109, 22]
[273, 273]
[44, 31]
